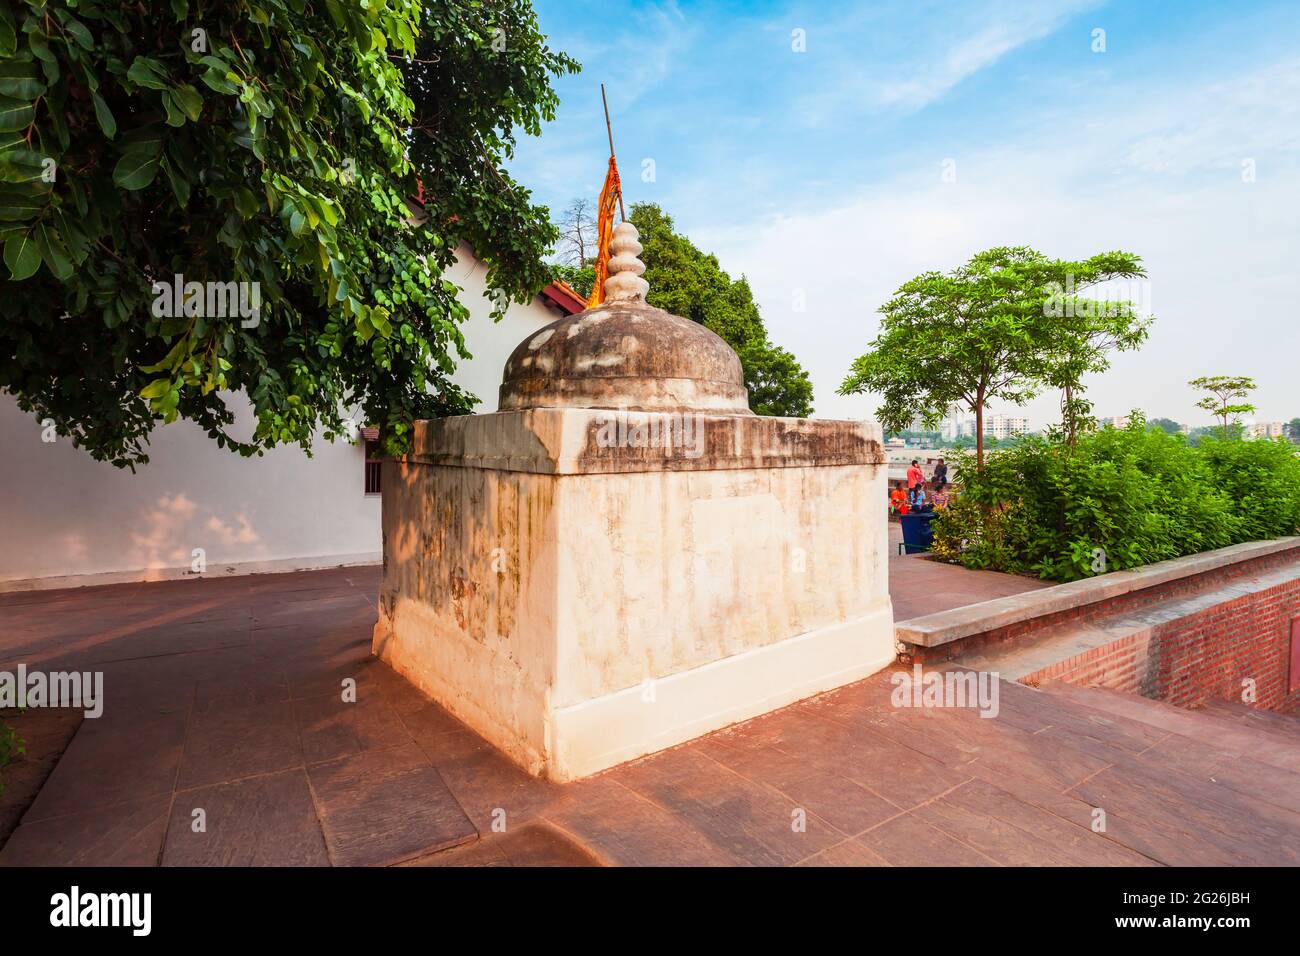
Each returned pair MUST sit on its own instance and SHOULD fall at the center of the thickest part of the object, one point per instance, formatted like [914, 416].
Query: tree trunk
[979, 433]
[1070, 424]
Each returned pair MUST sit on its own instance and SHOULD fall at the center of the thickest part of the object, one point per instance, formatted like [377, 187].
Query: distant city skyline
[830, 152]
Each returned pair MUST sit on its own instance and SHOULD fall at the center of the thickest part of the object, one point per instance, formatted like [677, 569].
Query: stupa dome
[625, 354]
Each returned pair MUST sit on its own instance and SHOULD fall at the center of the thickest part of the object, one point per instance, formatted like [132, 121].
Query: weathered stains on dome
[625, 354]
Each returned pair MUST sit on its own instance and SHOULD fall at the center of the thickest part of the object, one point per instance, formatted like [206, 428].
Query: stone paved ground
[223, 707]
[919, 586]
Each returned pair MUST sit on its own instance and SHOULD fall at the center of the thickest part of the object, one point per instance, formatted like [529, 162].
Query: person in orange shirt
[898, 500]
[915, 475]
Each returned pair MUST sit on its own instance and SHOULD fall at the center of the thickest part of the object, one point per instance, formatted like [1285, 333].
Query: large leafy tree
[266, 142]
[688, 282]
[987, 331]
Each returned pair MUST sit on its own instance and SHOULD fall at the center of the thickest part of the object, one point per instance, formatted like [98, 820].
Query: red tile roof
[565, 297]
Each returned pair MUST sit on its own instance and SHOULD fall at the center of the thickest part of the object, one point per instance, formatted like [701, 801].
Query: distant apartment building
[999, 426]
[1006, 426]
[1116, 421]
[957, 426]
[1267, 430]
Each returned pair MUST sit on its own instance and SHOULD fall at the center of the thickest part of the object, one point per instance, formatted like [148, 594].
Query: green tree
[962, 338]
[273, 145]
[1089, 329]
[987, 331]
[1166, 425]
[1223, 389]
[1293, 430]
[690, 283]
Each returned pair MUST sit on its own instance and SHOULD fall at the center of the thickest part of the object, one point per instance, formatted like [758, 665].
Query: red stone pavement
[224, 741]
[919, 585]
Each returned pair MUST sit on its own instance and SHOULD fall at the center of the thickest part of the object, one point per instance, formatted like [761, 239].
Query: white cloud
[914, 55]
[1220, 252]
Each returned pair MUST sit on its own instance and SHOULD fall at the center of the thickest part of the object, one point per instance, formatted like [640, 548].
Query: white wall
[63, 514]
[490, 343]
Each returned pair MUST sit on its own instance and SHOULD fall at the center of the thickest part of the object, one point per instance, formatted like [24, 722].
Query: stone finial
[625, 283]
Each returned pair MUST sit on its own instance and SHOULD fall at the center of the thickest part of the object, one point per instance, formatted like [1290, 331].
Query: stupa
[623, 557]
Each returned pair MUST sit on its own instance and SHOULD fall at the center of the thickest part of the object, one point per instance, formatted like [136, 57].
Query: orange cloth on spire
[609, 199]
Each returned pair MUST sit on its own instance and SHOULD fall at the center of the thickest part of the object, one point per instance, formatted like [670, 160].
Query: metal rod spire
[610, 130]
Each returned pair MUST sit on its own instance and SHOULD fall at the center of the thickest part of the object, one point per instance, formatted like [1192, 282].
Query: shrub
[1124, 498]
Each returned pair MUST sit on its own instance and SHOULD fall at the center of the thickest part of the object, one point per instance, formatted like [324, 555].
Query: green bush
[1123, 498]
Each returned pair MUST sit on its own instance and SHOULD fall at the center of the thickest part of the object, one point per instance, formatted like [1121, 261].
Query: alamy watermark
[1113, 298]
[212, 300]
[76, 689]
[953, 688]
[133, 911]
[672, 432]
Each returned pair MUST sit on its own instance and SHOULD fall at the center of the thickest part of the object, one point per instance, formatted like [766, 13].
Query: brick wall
[1204, 655]
[1196, 656]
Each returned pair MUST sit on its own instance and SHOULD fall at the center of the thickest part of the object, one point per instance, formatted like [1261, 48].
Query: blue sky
[821, 174]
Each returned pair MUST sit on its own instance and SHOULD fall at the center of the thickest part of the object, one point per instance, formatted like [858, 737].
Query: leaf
[22, 257]
[53, 252]
[25, 88]
[180, 8]
[21, 165]
[136, 169]
[20, 206]
[188, 99]
[156, 389]
[175, 117]
[219, 80]
[104, 115]
[40, 46]
[180, 185]
[148, 73]
[8, 40]
[15, 114]
[79, 33]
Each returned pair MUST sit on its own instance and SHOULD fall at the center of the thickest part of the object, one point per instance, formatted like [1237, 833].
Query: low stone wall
[1224, 624]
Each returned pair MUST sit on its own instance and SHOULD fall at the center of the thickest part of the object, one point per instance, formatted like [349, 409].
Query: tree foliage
[688, 282]
[1089, 329]
[272, 144]
[998, 328]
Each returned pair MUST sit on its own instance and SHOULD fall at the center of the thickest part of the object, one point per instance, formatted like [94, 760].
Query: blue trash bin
[917, 533]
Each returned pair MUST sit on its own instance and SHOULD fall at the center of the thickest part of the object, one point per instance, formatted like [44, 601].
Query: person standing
[915, 476]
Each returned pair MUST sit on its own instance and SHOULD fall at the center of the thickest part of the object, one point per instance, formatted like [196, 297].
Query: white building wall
[68, 519]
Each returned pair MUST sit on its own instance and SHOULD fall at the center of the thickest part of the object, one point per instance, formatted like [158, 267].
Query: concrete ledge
[585, 441]
[933, 630]
[598, 734]
[216, 569]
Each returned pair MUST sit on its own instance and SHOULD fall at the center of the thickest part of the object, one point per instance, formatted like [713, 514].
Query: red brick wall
[1202, 655]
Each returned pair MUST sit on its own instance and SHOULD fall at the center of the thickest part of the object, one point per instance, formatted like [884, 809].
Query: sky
[830, 152]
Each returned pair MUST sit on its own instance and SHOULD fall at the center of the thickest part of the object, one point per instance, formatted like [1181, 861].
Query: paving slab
[241, 716]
